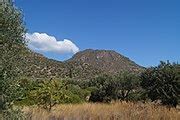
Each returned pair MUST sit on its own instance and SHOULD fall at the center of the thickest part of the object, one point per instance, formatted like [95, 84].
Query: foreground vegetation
[98, 111]
[159, 83]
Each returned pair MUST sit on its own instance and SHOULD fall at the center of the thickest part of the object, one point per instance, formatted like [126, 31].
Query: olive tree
[162, 83]
[12, 44]
[126, 85]
[118, 87]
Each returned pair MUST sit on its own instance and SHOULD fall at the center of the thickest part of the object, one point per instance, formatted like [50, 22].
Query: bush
[127, 84]
[49, 93]
[72, 98]
[162, 83]
[114, 88]
[75, 89]
[13, 114]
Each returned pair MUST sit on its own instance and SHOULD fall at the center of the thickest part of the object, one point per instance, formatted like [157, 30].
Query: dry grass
[114, 111]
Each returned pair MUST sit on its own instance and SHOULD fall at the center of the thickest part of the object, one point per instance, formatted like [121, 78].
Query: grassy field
[114, 111]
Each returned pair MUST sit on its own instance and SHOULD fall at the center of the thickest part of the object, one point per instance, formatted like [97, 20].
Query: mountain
[83, 65]
[37, 66]
[106, 60]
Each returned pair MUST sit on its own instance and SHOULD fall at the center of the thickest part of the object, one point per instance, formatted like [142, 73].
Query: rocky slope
[106, 60]
[35, 65]
[83, 65]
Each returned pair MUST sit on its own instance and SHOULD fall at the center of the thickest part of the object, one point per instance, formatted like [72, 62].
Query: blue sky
[146, 31]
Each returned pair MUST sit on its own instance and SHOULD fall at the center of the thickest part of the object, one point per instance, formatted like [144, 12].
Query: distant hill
[35, 65]
[106, 60]
[83, 65]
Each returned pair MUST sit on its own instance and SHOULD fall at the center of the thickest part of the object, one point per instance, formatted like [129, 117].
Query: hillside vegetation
[83, 65]
[108, 61]
[37, 66]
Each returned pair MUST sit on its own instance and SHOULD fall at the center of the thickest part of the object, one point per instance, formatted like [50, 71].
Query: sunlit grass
[114, 111]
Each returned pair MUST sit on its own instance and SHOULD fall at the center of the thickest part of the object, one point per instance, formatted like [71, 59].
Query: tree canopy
[12, 44]
[162, 83]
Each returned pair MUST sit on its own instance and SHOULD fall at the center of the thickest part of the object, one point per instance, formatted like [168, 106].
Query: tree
[114, 88]
[12, 44]
[49, 93]
[126, 84]
[105, 89]
[162, 83]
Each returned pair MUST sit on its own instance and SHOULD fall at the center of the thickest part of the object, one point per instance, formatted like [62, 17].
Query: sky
[146, 31]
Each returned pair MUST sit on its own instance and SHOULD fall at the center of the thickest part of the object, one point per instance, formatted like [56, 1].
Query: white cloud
[44, 43]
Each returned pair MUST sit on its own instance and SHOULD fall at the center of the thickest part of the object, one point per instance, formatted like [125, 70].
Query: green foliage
[12, 42]
[127, 83]
[11, 46]
[12, 92]
[48, 94]
[138, 95]
[162, 83]
[104, 89]
[27, 85]
[114, 88]
[72, 98]
[75, 89]
[12, 114]
[81, 83]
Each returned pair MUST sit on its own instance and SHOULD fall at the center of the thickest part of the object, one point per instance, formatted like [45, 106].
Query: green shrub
[162, 83]
[118, 87]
